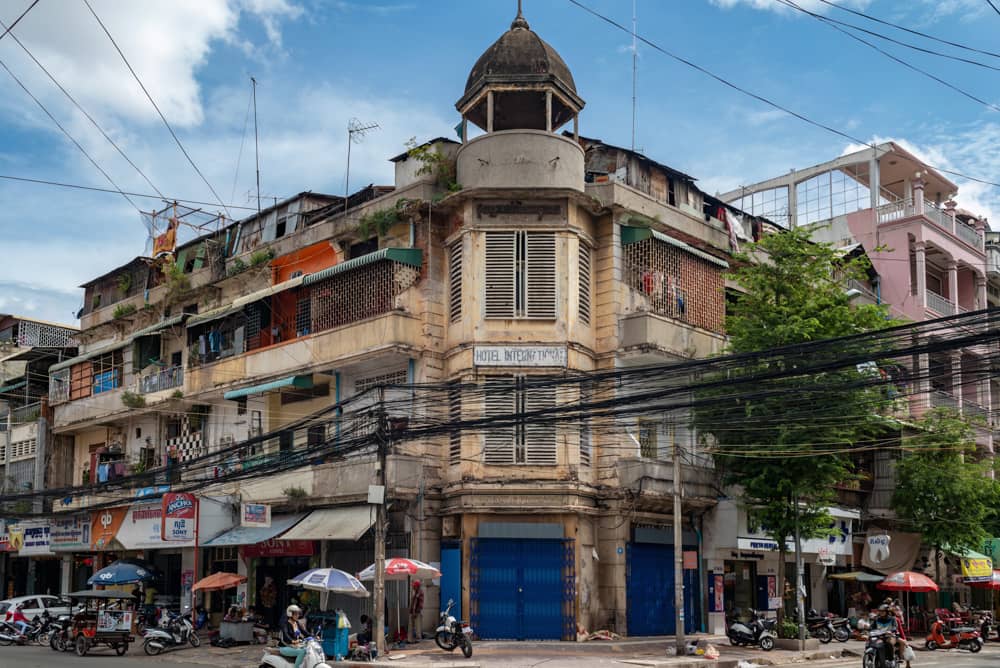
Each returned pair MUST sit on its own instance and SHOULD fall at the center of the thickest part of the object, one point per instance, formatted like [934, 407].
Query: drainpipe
[878, 289]
[702, 581]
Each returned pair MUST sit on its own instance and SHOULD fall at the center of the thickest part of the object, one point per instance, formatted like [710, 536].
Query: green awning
[291, 381]
[90, 354]
[240, 302]
[410, 256]
[163, 324]
[633, 234]
[13, 386]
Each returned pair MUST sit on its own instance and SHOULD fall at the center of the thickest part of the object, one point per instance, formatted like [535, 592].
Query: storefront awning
[291, 381]
[857, 576]
[349, 523]
[410, 256]
[633, 234]
[254, 535]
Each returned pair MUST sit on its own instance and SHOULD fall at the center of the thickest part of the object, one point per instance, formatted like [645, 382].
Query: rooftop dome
[519, 70]
[520, 55]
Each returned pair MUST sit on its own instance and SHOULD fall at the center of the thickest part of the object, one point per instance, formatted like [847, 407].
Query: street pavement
[625, 654]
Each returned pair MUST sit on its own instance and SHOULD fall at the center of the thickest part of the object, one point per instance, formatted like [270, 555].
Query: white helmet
[292, 608]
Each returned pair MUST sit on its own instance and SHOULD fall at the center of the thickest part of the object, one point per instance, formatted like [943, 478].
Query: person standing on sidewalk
[416, 607]
[267, 599]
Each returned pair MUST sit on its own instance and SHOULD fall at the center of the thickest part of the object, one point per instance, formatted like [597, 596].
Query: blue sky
[403, 63]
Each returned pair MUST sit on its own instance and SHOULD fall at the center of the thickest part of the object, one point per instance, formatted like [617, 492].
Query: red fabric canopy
[992, 583]
[219, 581]
[907, 581]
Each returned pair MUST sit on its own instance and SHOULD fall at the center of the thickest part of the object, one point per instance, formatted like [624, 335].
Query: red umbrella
[219, 582]
[907, 581]
[992, 583]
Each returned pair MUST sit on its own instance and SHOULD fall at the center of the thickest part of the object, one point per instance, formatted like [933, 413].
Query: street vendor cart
[106, 618]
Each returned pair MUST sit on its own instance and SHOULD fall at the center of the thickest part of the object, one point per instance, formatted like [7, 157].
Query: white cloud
[774, 6]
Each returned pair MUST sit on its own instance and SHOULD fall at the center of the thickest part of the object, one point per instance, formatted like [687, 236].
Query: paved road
[989, 657]
[43, 657]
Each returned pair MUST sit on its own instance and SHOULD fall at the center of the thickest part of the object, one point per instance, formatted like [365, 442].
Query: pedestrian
[267, 598]
[416, 608]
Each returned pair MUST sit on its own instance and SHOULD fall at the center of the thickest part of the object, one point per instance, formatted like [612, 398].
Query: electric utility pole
[800, 602]
[376, 495]
[678, 554]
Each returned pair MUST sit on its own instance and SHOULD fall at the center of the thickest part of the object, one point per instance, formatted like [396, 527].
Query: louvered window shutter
[455, 415]
[499, 400]
[584, 283]
[501, 252]
[540, 275]
[455, 282]
[539, 432]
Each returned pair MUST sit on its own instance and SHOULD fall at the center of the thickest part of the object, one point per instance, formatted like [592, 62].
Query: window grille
[59, 384]
[539, 433]
[648, 439]
[23, 449]
[359, 294]
[303, 315]
[498, 401]
[107, 371]
[455, 285]
[398, 377]
[584, 283]
[587, 391]
[36, 334]
[254, 313]
[501, 260]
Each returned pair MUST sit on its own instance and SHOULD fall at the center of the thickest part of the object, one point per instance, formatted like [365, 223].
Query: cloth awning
[633, 234]
[90, 354]
[163, 324]
[348, 523]
[291, 381]
[410, 256]
[857, 576]
[253, 535]
[13, 386]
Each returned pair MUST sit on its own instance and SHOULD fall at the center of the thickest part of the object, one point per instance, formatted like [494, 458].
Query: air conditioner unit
[226, 440]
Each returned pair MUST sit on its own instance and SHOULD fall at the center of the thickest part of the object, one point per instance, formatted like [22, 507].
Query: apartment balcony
[653, 481]
[93, 408]
[993, 259]
[158, 381]
[649, 336]
[936, 225]
[940, 305]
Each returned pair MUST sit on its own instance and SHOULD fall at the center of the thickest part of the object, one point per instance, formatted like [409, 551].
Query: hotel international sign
[550, 356]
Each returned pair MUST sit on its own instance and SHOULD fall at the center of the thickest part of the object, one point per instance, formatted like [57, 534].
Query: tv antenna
[356, 131]
[635, 67]
[256, 140]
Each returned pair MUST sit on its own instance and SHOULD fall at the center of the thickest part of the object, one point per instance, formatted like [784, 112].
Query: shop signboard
[690, 560]
[35, 539]
[70, 533]
[256, 515]
[278, 548]
[105, 524]
[179, 517]
[520, 356]
[143, 526]
[4, 537]
[977, 569]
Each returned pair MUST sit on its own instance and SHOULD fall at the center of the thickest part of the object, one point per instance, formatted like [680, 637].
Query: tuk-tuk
[106, 618]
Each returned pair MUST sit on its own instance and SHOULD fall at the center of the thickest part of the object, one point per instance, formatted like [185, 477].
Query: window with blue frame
[107, 372]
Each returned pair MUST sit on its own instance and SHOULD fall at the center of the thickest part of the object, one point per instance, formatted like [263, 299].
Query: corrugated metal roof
[410, 256]
[163, 324]
[632, 234]
[290, 381]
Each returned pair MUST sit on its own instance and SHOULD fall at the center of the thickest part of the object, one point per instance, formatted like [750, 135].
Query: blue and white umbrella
[330, 580]
[124, 571]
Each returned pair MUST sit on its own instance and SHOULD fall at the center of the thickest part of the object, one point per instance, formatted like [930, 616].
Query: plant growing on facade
[434, 163]
[176, 394]
[296, 497]
[938, 480]
[123, 310]
[95, 302]
[783, 466]
[133, 400]
[261, 257]
[124, 284]
[380, 221]
[178, 283]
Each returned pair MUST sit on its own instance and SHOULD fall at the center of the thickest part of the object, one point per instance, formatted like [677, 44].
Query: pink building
[929, 259]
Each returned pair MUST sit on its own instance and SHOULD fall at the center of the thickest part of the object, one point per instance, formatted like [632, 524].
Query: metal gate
[650, 591]
[523, 589]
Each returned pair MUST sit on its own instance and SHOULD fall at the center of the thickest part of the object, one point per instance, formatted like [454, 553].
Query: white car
[33, 606]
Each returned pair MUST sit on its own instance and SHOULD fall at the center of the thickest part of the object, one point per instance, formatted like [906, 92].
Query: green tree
[784, 442]
[942, 492]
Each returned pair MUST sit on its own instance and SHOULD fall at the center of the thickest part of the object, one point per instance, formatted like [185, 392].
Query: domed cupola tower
[520, 92]
[520, 83]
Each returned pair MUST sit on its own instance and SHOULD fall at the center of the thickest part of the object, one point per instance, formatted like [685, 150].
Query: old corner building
[531, 252]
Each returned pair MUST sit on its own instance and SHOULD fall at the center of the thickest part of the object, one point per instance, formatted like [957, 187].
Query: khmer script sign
[519, 356]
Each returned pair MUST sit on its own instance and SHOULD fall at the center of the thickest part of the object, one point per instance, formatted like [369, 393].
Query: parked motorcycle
[880, 651]
[39, 630]
[176, 631]
[10, 634]
[757, 631]
[314, 658]
[841, 628]
[820, 626]
[452, 633]
[986, 626]
[59, 633]
[942, 636]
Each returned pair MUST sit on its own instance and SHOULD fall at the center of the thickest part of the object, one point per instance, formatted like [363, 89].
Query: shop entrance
[739, 581]
[47, 575]
[280, 569]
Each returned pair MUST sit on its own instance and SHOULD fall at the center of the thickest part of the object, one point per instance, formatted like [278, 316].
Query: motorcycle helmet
[293, 609]
[813, 613]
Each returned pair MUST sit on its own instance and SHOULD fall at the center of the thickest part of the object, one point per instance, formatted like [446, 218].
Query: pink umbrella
[401, 568]
[907, 581]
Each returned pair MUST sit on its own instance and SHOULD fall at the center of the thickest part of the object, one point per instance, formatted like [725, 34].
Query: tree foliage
[941, 491]
[788, 438]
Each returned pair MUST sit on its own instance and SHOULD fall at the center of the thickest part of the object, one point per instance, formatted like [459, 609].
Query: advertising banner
[977, 569]
[70, 533]
[256, 515]
[35, 538]
[179, 515]
[278, 548]
[143, 526]
[105, 525]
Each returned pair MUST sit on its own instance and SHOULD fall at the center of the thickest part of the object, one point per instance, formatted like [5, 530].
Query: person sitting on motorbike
[888, 622]
[292, 637]
[18, 619]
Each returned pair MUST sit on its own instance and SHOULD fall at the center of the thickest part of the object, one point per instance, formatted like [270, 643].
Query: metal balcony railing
[27, 413]
[968, 234]
[163, 379]
[942, 399]
[939, 304]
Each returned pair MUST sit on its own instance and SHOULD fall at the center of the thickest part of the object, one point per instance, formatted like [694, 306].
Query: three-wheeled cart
[106, 618]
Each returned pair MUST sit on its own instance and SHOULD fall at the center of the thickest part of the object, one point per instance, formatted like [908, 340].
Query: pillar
[548, 111]
[919, 250]
[953, 285]
[874, 180]
[981, 298]
[980, 225]
[576, 127]
[949, 210]
[489, 111]
[956, 379]
[918, 196]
